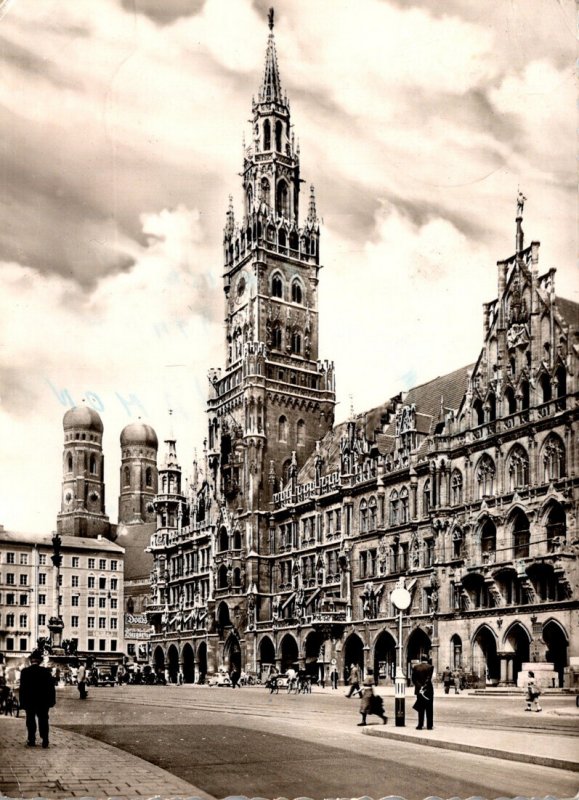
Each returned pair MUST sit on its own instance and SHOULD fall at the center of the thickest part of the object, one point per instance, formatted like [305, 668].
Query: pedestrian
[424, 691]
[532, 693]
[234, 677]
[354, 681]
[371, 703]
[37, 696]
[334, 678]
[81, 682]
[446, 679]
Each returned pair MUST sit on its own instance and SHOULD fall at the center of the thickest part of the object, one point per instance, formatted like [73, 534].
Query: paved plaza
[211, 743]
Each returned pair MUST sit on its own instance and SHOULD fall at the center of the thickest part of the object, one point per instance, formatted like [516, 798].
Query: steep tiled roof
[569, 310]
[135, 538]
[426, 398]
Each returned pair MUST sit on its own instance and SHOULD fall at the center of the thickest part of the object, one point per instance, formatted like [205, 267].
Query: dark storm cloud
[163, 12]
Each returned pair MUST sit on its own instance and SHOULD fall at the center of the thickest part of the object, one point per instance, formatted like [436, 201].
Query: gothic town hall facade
[287, 546]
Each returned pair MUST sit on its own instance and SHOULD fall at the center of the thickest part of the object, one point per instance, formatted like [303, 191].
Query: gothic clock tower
[274, 399]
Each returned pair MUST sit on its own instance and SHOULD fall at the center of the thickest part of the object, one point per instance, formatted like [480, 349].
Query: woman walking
[371, 703]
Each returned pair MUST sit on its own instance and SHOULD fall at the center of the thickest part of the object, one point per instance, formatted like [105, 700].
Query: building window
[91, 582]
[518, 466]
[93, 465]
[75, 598]
[74, 581]
[9, 620]
[102, 583]
[74, 622]
[42, 578]
[403, 506]
[90, 644]
[426, 498]
[282, 429]
[91, 602]
[23, 645]
[90, 622]
[394, 505]
[363, 564]
[276, 285]
[301, 433]
[488, 538]
[102, 563]
[75, 561]
[363, 516]
[10, 578]
[114, 565]
[23, 599]
[10, 643]
[553, 459]
[372, 511]
[102, 602]
[296, 343]
[42, 619]
[23, 620]
[485, 476]
[91, 563]
[42, 559]
[456, 488]
[113, 645]
[114, 584]
[41, 599]
[23, 559]
[102, 644]
[23, 580]
[296, 292]
[10, 558]
[113, 624]
[521, 535]
[114, 602]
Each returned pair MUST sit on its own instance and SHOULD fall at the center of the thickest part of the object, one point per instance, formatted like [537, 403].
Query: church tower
[274, 399]
[82, 510]
[138, 484]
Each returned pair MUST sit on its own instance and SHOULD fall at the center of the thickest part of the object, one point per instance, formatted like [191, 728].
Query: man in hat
[37, 696]
[424, 691]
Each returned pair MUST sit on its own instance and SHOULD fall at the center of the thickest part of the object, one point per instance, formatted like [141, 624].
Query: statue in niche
[276, 607]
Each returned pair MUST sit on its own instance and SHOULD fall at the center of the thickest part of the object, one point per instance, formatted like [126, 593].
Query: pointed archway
[419, 645]
[232, 654]
[202, 661]
[384, 658]
[312, 651]
[484, 659]
[159, 659]
[173, 663]
[353, 654]
[266, 655]
[188, 664]
[288, 652]
[517, 640]
[557, 643]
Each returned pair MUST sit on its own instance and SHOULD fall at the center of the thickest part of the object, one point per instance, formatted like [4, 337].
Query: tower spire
[270, 91]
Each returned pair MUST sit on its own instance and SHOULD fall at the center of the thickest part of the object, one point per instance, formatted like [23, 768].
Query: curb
[504, 755]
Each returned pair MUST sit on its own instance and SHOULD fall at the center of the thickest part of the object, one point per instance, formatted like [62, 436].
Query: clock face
[68, 498]
[93, 497]
[240, 289]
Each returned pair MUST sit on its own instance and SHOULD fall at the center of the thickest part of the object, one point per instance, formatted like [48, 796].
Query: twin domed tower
[82, 509]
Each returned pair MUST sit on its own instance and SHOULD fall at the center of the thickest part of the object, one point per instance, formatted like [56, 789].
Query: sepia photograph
[289, 342]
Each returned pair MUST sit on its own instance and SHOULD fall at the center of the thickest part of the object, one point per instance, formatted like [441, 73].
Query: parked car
[219, 679]
[105, 677]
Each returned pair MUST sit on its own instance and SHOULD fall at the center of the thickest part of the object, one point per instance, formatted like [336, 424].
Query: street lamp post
[55, 623]
[401, 600]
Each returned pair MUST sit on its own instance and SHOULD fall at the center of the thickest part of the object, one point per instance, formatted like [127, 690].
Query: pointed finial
[352, 412]
[520, 202]
[312, 217]
[520, 239]
[229, 218]
[270, 18]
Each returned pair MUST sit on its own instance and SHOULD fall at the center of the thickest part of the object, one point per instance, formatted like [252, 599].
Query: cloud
[139, 343]
[166, 12]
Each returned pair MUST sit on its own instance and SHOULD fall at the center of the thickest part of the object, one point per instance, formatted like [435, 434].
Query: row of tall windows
[283, 431]
[297, 292]
[487, 411]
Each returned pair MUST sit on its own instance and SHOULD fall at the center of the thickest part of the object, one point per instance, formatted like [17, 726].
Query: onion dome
[138, 433]
[82, 418]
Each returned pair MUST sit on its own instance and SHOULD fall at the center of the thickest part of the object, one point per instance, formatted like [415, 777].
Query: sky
[121, 128]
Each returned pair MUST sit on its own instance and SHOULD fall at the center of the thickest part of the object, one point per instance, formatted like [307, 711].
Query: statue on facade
[520, 203]
[276, 607]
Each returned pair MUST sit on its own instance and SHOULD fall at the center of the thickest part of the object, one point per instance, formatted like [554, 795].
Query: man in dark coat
[37, 696]
[424, 691]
